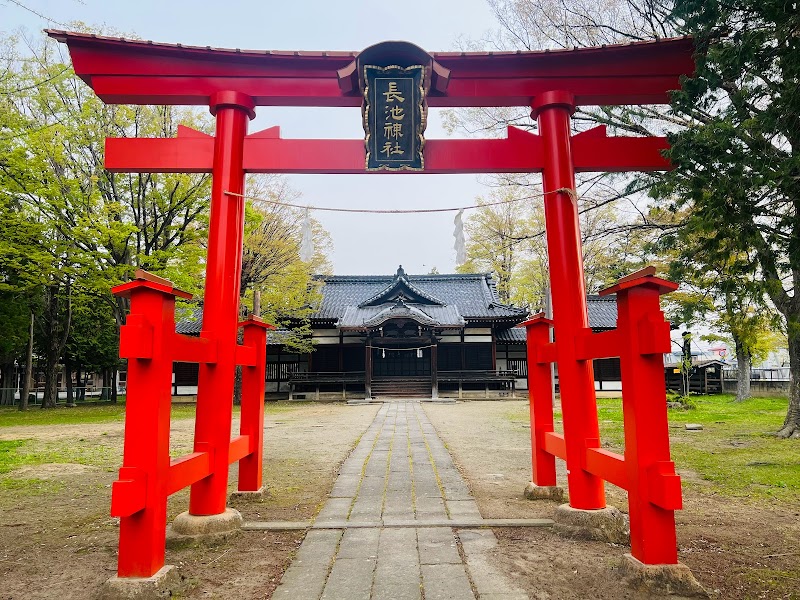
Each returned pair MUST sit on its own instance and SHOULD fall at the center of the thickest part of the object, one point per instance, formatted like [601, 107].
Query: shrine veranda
[393, 83]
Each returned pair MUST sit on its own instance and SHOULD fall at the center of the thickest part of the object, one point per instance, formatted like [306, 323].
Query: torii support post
[148, 476]
[645, 471]
[654, 490]
[252, 410]
[565, 256]
[540, 391]
[139, 496]
[221, 303]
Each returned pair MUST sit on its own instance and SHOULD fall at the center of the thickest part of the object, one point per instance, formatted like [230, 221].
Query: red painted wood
[193, 349]
[221, 306]
[239, 448]
[135, 72]
[232, 83]
[608, 465]
[252, 411]
[246, 356]
[654, 489]
[540, 399]
[590, 345]
[266, 152]
[186, 470]
[128, 492]
[554, 444]
[145, 462]
[575, 376]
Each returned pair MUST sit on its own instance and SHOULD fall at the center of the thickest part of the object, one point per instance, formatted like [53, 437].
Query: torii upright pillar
[221, 303]
[567, 281]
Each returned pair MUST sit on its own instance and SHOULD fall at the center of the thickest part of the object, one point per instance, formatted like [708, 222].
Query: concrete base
[160, 585]
[661, 580]
[544, 492]
[190, 529]
[606, 524]
[258, 495]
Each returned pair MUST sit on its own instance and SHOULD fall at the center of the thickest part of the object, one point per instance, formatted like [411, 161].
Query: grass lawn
[15, 453]
[736, 452]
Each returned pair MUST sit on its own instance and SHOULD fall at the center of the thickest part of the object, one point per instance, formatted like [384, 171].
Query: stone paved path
[389, 537]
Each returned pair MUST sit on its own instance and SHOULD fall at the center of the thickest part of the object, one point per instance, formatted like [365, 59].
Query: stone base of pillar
[661, 580]
[544, 492]
[160, 585]
[607, 524]
[188, 529]
[239, 497]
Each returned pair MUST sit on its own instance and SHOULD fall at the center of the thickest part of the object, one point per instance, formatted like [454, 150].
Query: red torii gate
[232, 83]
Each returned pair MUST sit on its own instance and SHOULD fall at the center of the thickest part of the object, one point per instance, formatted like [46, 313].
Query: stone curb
[394, 524]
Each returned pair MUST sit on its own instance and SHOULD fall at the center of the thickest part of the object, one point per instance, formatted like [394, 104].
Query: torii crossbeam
[232, 83]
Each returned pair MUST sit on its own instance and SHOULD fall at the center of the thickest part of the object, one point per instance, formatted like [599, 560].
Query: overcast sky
[363, 244]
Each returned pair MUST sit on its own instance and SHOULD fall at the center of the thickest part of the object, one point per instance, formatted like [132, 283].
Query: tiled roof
[512, 335]
[192, 323]
[602, 311]
[602, 316]
[474, 295]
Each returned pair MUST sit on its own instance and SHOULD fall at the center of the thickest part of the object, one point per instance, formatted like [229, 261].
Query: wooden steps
[401, 387]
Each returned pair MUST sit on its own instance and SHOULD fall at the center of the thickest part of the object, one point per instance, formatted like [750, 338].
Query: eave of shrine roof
[370, 317]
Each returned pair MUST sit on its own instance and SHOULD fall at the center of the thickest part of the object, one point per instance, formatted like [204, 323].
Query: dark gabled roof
[512, 335]
[191, 323]
[602, 311]
[402, 288]
[473, 294]
[602, 316]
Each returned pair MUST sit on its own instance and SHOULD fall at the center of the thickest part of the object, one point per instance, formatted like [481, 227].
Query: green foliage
[495, 233]
[94, 339]
[506, 236]
[271, 263]
[737, 175]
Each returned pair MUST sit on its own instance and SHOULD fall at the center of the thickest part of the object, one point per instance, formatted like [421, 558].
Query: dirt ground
[735, 548]
[57, 540]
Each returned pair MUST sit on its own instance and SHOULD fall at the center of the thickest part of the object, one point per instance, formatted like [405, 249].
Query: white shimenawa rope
[307, 242]
[402, 211]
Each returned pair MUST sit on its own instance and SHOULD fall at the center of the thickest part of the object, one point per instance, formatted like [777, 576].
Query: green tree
[493, 233]
[738, 170]
[99, 226]
[506, 236]
[272, 271]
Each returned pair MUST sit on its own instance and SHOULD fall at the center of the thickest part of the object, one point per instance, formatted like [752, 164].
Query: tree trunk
[104, 390]
[68, 378]
[257, 302]
[743, 364]
[791, 426]
[57, 319]
[26, 382]
[7, 384]
[50, 379]
[114, 385]
[80, 383]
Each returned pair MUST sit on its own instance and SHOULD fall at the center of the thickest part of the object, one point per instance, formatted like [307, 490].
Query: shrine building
[436, 335]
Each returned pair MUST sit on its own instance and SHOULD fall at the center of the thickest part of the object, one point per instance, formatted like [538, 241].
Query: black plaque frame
[374, 113]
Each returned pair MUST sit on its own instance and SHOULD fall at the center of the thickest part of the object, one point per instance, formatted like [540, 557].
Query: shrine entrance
[393, 83]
